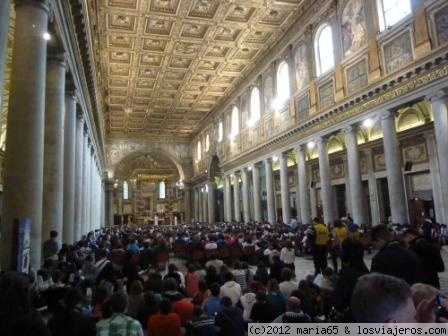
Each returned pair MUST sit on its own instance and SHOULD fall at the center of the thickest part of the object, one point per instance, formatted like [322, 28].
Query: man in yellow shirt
[320, 238]
[339, 233]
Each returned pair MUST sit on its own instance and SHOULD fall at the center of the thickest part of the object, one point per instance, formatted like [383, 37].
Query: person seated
[229, 319]
[294, 313]
[288, 284]
[202, 324]
[121, 323]
[247, 301]
[17, 317]
[150, 307]
[230, 288]
[262, 311]
[381, 298]
[213, 303]
[165, 322]
[69, 321]
[170, 290]
[276, 297]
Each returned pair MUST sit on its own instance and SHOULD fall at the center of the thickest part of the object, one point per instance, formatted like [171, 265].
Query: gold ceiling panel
[167, 63]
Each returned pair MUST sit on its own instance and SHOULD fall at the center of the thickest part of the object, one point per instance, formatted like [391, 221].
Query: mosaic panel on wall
[353, 27]
[356, 76]
[303, 106]
[398, 52]
[301, 67]
[268, 92]
[326, 94]
[441, 25]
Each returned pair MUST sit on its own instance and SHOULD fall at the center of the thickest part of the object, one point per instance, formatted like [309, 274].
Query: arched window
[324, 49]
[162, 190]
[199, 150]
[207, 142]
[235, 122]
[283, 82]
[125, 190]
[254, 106]
[220, 131]
[392, 11]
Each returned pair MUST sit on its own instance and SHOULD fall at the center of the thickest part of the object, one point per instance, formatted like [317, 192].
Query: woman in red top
[164, 323]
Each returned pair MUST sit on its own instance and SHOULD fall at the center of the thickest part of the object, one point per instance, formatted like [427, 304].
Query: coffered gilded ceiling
[165, 64]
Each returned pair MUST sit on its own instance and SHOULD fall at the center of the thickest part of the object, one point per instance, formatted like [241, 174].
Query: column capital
[322, 140]
[44, 4]
[268, 160]
[350, 129]
[300, 148]
[389, 114]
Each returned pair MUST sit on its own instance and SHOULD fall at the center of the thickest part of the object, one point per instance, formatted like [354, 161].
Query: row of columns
[204, 202]
[51, 173]
[394, 171]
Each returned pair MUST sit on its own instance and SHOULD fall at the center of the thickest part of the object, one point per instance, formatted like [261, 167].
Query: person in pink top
[192, 281]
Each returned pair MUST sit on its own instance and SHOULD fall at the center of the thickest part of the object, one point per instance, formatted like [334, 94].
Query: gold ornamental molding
[430, 71]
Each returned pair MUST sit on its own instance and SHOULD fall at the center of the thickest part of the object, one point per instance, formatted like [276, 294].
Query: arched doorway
[154, 182]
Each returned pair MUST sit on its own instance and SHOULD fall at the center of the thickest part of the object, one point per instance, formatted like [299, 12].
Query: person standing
[51, 247]
[320, 239]
[393, 258]
[428, 254]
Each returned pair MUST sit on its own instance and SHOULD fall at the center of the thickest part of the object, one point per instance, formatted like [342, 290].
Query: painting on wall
[356, 76]
[303, 106]
[398, 52]
[441, 24]
[326, 94]
[353, 27]
[301, 67]
[268, 93]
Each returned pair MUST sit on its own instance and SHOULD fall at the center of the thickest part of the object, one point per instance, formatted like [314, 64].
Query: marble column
[227, 199]
[79, 155]
[4, 28]
[257, 193]
[434, 168]
[86, 179]
[200, 209]
[440, 111]
[92, 195]
[373, 188]
[359, 212]
[69, 166]
[325, 182]
[245, 189]
[196, 204]
[303, 191]
[286, 208]
[23, 165]
[204, 204]
[348, 196]
[53, 197]
[187, 202]
[236, 196]
[392, 155]
[119, 190]
[211, 202]
[110, 202]
[270, 191]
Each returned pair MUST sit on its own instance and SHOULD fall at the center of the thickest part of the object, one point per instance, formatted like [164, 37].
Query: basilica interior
[163, 112]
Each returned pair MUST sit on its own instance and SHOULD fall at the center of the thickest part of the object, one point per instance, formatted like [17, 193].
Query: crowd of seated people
[124, 281]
